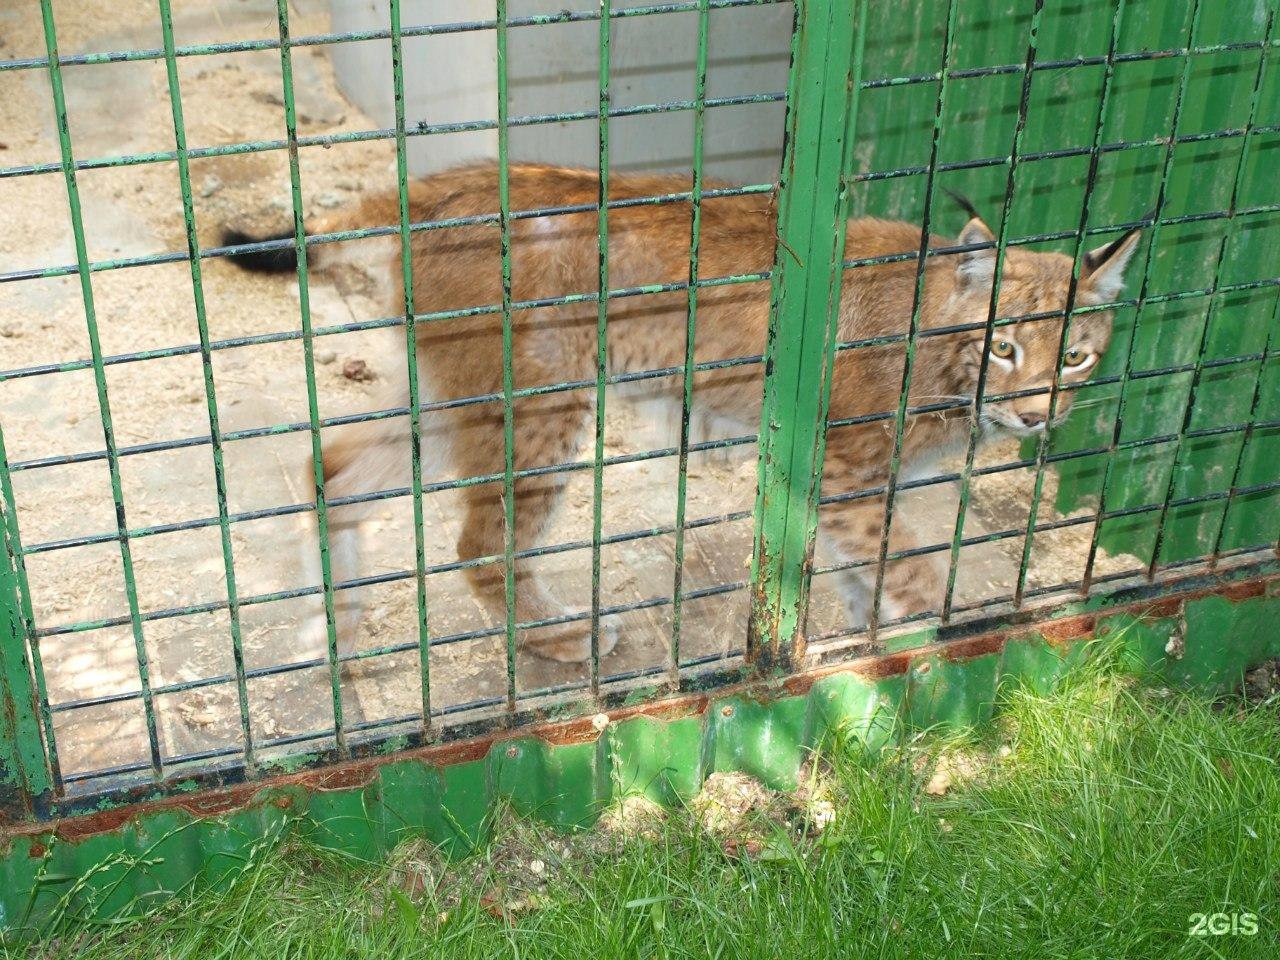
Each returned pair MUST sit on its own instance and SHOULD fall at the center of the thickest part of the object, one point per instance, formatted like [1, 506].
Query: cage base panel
[137, 845]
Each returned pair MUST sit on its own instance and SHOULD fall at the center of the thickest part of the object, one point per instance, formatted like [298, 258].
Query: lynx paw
[575, 647]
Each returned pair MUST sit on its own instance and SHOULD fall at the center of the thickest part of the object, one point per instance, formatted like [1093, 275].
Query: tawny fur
[460, 267]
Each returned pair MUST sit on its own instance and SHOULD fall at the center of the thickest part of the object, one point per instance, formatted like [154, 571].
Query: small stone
[940, 782]
[325, 357]
[347, 183]
[600, 721]
[822, 815]
[537, 867]
[357, 370]
[210, 186]
[10, 331]
[328, 200]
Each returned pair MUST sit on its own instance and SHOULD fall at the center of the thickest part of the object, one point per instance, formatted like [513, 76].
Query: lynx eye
[1002, 349]
[1075, 357]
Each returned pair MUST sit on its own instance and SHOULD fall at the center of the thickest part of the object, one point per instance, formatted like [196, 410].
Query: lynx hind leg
[548, 431]
[361, 458]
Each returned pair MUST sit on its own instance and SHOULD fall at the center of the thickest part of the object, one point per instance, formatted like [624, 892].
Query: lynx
[458, 267]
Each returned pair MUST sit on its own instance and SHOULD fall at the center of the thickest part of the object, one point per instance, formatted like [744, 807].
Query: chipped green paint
[448, 796]
[1245, 633]
[23, 773]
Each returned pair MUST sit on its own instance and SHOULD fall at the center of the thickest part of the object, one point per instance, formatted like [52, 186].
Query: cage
[166, 415]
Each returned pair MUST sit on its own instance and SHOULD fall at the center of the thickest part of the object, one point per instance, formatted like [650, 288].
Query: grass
[1094, 822]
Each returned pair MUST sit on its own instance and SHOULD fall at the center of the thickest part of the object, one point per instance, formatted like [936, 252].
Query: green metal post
[23, 770]
[826, 60]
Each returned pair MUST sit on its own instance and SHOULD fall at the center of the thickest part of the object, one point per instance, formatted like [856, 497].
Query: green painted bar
[826, 64]
[1264, 389]
[690, 338]
[205, 49]
[913, 326]
[1043, 441]
[602, 339]
[1218, 91]
[1002, 238]
[206, 363]
[411, 361]
[308, 359]
[508, 363]
[1213, 308]
[100, 380]
[1064, 103]
[1142, 300]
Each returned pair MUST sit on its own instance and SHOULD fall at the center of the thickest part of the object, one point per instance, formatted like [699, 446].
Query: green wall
[981, 112]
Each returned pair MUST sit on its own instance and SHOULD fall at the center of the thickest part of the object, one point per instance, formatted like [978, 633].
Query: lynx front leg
[857, 467]
[361, 458]
[911, 585]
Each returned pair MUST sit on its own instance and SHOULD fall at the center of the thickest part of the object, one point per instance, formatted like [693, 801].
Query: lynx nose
[1032, 420]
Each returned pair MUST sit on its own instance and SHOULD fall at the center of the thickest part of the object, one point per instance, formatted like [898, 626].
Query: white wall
[553, 68]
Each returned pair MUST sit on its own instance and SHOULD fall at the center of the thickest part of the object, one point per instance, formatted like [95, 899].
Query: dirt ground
[134, 211]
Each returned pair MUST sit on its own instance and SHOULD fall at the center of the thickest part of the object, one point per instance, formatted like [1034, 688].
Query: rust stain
[105, 821]
[1164, 609]
[37, 850]
[219, 801]
[1061, 632]
[886, 665]
[347, 776]
[798, 684]
[447, 754]
[979, 646]
[360, 773]
[572, 732]
[1243, 591]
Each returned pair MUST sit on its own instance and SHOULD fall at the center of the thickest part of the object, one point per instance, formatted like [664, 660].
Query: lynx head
[1022, 355]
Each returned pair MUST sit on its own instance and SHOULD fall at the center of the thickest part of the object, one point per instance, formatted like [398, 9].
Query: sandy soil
[133, 211]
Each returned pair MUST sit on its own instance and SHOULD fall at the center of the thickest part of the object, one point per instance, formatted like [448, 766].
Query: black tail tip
[279, 259]
[964, 203]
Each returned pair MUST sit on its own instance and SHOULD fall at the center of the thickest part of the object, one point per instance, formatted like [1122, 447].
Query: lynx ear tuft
[1104, 267]
[973, 266]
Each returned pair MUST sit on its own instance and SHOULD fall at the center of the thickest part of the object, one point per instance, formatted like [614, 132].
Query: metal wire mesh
[840, 109]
